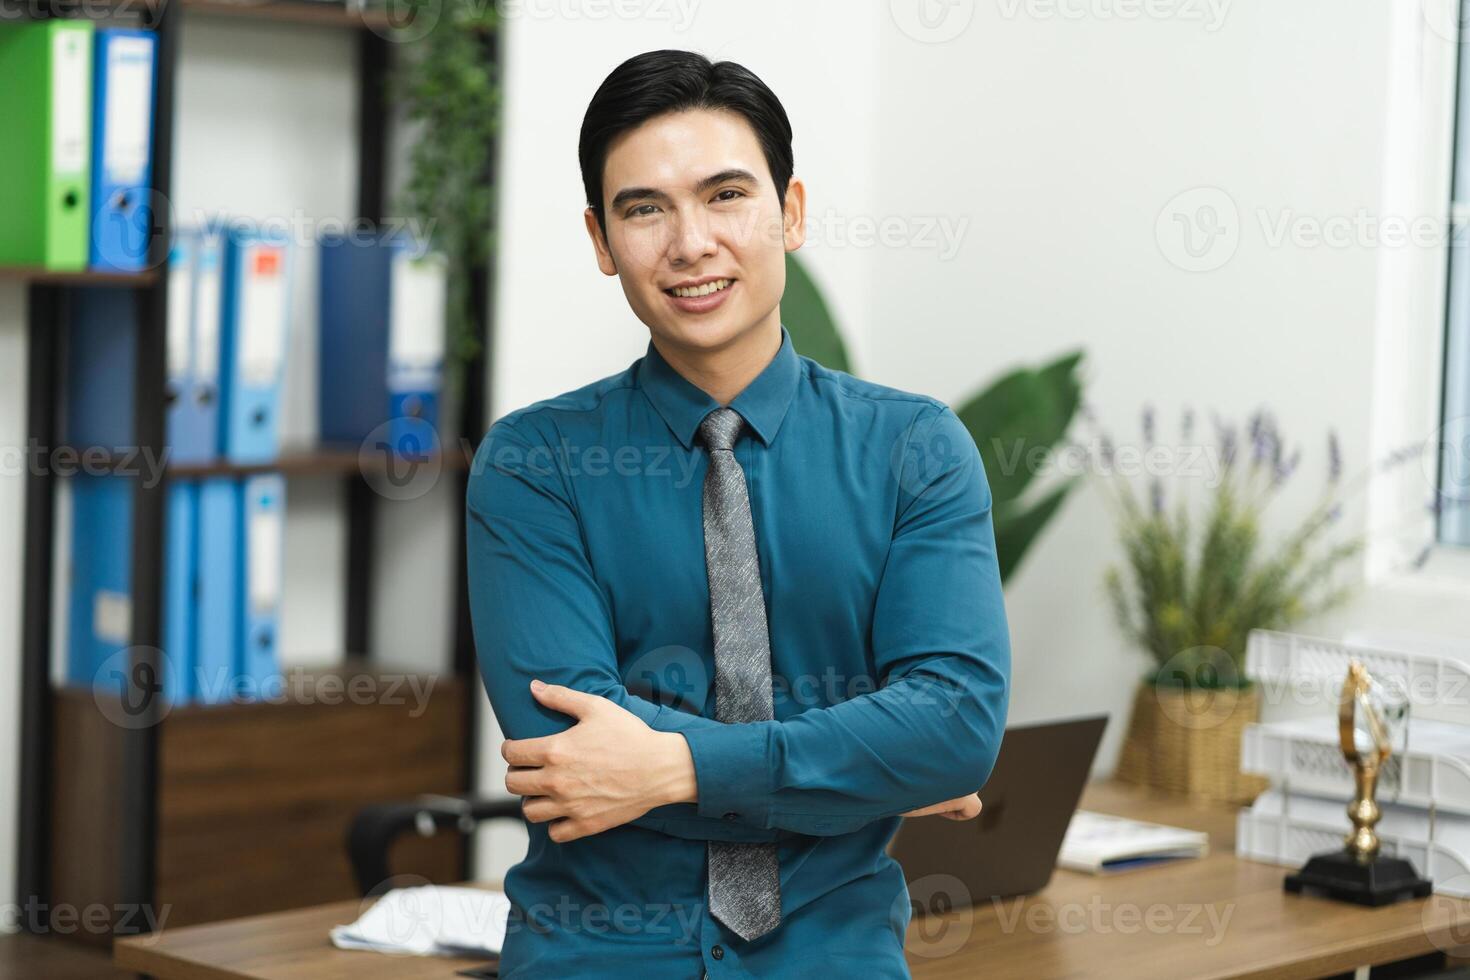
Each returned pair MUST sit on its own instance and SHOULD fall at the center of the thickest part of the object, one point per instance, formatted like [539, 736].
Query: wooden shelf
[304, 12]
[254, 800]
[329, 461]
[293, 12]
[51, 277]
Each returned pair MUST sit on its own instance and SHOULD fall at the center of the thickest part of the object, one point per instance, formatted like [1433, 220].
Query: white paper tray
[1295, 668]
[1287, 829]
[1304, 755]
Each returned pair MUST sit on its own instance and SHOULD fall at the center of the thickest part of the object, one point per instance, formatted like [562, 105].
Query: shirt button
[718, 952]
[732, 815]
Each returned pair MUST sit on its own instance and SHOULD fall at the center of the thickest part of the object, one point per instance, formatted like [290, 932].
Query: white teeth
[705, 290]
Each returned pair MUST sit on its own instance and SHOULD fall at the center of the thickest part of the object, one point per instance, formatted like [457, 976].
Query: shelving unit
[220, 810]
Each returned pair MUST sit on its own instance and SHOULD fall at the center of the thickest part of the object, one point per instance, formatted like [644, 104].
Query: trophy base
[1382, 882]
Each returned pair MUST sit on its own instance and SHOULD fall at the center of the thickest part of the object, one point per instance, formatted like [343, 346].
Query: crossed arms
[931, 733]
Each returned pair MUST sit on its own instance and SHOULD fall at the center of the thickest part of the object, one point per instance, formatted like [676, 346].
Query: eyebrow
[629, 194]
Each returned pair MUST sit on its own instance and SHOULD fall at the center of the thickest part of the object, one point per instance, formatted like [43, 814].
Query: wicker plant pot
[1186, 741]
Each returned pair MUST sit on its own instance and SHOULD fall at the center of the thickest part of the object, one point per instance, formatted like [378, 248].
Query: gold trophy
[1358, 873]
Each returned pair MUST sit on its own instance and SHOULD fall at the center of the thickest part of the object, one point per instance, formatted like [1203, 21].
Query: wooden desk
[1208, 918]
[1211, 918]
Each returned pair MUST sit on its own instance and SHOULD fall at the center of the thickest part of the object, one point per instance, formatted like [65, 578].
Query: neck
[724, 372]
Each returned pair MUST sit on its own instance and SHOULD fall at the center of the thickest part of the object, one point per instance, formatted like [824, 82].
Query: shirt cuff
[733, 771]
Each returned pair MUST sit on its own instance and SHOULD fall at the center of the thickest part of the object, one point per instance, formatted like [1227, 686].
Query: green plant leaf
[805, 315]
[1017, 526]
[1025, 411]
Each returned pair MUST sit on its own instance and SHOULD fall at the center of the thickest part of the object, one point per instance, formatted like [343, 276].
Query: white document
[430, 920]
[1099, 843]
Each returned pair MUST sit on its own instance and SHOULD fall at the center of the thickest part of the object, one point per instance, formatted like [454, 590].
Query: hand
[606, 770]
[964, 808]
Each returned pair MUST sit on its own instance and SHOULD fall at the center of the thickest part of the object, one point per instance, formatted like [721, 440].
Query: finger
[526, 781]
[540, 809]
[565, 699]
[527, 751]
[567, 829]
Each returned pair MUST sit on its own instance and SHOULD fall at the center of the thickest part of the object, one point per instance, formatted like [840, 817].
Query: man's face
[690, 203]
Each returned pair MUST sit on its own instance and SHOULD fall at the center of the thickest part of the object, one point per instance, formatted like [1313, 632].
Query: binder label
[179, 308]
[112, 616]
[262, 316]
[416, 321]
[129, 112]
[206, 315]
[265, 534]
[70, 50]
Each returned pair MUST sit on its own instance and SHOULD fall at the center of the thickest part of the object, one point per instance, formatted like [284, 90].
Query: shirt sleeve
[538, 612]
[941, 650]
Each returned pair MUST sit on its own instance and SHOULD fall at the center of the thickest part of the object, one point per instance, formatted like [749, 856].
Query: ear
[599, 244]
[793, 215]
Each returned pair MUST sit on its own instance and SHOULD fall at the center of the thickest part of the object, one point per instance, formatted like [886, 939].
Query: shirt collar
[684, 405]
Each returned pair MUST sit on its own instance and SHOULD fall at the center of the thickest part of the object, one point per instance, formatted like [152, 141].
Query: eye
[729, 190]
[641, 210]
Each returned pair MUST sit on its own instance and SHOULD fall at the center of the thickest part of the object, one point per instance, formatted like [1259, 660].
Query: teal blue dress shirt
[889, 650]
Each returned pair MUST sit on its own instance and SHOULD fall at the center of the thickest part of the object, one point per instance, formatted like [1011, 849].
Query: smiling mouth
[691, 292]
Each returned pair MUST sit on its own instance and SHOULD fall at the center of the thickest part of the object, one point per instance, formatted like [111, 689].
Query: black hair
[658, 82]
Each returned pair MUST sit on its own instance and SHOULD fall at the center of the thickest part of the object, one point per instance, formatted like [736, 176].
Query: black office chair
[376, 827]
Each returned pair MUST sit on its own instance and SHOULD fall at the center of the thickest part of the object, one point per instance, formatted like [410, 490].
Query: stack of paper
[430, 920]
[1099, 843]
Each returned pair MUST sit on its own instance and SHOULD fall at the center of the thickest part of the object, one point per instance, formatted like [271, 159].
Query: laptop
[1011, 848]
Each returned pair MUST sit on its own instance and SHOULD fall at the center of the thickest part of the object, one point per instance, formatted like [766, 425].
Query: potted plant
[1199, 572]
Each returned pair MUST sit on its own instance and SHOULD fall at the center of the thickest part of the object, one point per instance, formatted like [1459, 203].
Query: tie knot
[720, 428]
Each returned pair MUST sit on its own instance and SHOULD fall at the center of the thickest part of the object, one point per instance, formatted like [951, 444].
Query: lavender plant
[1199, 575]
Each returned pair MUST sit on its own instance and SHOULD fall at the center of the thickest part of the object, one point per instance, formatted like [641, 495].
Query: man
[736, 612]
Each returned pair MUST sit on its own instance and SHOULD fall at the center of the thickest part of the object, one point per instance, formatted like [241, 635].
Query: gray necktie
[744, 879]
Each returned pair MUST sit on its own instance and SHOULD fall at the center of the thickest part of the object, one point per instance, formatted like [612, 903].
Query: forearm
[931, 735]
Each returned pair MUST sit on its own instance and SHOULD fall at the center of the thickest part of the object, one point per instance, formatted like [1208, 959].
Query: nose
[692, 239]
